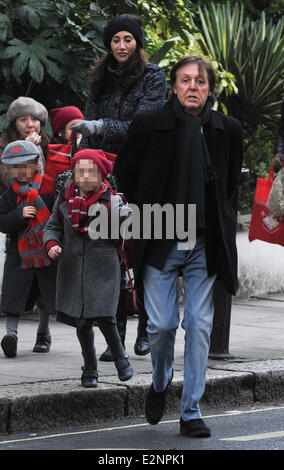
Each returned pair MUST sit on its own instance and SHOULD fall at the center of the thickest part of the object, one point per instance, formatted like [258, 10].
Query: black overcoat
[21, 287]
[144, 166]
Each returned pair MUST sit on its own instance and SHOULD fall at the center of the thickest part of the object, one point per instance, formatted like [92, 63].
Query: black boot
[85, 334]
[121, 318]
[124, 368]
[106, 356]
[142, 344]
[9, 345]
[43, 342]
[89, 378]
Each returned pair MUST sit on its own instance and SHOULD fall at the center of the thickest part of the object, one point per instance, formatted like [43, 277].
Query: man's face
[192, 88]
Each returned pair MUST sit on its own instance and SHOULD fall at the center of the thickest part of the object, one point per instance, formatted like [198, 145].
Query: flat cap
[19, 151]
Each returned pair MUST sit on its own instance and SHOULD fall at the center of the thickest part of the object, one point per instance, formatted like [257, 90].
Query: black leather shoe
[142, 346]
[124, 368]
[43, 342]
[155, 405]
[9, 345]
[194, 428]
[89, 378]
[106, 356]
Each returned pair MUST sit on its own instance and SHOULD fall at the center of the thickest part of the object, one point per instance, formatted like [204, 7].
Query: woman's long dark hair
[101, 81]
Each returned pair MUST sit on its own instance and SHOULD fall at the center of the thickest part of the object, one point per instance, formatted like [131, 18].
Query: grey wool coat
[88, 278]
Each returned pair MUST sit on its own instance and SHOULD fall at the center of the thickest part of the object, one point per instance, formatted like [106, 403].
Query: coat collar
[213, 130]
[216, 121]
[165, 118]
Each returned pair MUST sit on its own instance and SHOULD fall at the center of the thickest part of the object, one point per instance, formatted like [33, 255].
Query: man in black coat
[184, 154]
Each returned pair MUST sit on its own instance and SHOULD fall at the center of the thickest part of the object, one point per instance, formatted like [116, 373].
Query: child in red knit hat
[60, 148]
[89, 272]
[62, 119]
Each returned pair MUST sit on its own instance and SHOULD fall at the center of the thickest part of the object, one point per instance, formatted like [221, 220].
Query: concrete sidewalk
[39, 391]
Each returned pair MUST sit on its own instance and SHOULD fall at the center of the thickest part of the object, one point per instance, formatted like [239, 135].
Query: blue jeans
[162, 306]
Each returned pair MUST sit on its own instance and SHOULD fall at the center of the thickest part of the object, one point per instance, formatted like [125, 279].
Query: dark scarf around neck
[194, 161]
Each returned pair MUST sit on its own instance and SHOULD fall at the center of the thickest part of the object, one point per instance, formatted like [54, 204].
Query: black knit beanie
[123, 23]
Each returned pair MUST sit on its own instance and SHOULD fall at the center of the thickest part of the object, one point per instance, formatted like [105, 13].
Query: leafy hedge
[48, 46]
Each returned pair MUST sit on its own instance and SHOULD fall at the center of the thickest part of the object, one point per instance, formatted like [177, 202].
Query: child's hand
[29, 212]
[54, 251]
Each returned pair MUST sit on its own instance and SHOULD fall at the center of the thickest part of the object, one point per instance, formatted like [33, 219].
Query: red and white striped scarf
[78, 206]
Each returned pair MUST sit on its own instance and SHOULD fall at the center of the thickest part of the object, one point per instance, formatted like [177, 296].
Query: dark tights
[86, 337]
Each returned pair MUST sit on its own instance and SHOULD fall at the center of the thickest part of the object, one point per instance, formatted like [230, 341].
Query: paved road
[257, 427]
[44, 391]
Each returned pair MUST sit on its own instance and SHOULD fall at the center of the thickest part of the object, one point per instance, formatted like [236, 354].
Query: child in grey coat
[88, 280]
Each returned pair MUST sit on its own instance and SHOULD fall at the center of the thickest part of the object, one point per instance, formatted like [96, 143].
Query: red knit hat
[97, 156]
[61, 116]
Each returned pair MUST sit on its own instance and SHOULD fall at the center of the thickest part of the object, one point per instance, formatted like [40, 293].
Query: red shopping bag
[265, 226]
